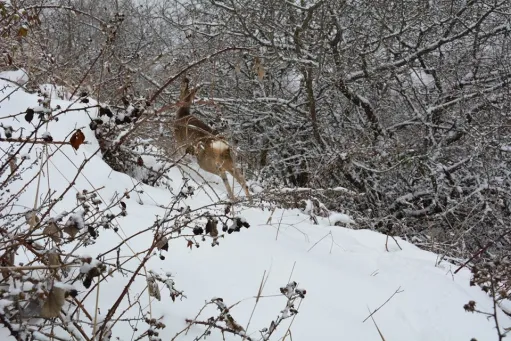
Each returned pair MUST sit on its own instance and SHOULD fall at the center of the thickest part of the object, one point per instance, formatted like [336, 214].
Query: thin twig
[259, 293]
[378, 329]
[19, 140]
[316, 243]
[398, 291]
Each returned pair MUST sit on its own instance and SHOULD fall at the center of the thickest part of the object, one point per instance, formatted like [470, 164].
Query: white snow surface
[345, 271]
[19, 76]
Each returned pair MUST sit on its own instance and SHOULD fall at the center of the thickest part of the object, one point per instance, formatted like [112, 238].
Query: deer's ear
[193, 93]
[184, 89]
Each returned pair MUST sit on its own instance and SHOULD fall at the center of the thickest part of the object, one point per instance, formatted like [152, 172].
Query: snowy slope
[345, 272]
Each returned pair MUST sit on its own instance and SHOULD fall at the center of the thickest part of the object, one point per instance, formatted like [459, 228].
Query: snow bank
[19, 76]
[345, 272]
[340, 218]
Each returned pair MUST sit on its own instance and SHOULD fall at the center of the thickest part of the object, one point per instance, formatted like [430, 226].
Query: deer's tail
[220, 146]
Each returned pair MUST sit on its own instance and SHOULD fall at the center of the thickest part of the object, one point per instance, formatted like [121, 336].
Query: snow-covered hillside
[346, 273]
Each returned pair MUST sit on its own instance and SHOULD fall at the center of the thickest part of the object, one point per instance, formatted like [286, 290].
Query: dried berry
[47, 138]
[105, 111]
[92, 232]
[29, 115]
[87, 282]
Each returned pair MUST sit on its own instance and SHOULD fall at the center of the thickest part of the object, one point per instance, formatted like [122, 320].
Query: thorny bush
[49, 283]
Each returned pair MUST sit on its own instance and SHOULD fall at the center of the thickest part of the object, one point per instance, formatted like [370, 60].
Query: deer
[212, 151]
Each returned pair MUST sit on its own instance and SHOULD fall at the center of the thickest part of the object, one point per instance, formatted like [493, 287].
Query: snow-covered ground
[346, 272]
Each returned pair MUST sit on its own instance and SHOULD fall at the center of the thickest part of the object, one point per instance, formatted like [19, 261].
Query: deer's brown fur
[195, 137]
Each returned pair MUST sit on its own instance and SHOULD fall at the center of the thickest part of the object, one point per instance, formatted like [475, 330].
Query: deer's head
[186, 98]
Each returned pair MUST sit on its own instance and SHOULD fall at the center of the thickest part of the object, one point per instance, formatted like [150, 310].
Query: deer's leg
[236, 173]
[222, 175]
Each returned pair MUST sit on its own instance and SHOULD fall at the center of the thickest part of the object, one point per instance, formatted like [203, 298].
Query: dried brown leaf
[7, 260]
[71, 228]
[163, 243]
[12, 163]
[54, 302]
[54, 259]
[77, 139]
[52, 230]
[32, 219]
[232, 324]
[154, 290]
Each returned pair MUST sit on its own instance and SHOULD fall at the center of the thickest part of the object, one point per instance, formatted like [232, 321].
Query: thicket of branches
[403, 104]
[48, 285]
